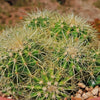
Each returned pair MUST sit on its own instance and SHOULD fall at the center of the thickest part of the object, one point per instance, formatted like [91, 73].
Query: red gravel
[96, 98]
[1, 98]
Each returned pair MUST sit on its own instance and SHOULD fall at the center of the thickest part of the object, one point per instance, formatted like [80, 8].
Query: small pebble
[78, 96]
[9, 97]
[80, 91]
[65, 98]
[81, 85]
[3, 95]
[87, 89]
[91, 88]
[89, 94]
[95, 91]
[85, 96]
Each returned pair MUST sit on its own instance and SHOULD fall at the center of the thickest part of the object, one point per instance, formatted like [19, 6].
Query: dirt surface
[85, 8]
[10, 14]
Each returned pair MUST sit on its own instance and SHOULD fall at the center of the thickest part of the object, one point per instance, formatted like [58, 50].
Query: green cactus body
[62, 28]
[46, 54]
[39, 22]
[50, 84]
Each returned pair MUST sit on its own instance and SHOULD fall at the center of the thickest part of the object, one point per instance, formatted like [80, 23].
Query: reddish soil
[1, 98]
[10, 14]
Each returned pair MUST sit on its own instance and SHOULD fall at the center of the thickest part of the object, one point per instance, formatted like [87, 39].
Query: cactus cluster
[46, 54]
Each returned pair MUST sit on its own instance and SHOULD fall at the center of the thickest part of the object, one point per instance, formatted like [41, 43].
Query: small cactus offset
[47, 55]
[61, 26]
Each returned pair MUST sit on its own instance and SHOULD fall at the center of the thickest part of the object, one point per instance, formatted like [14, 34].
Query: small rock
[9, 97]
[65, 98]
[91, 88]
[80, 91]
[85, 96]
[89, 94]
[3, 95]
[95, 91]
[78, 96]
[87, 89]
[81, 85]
